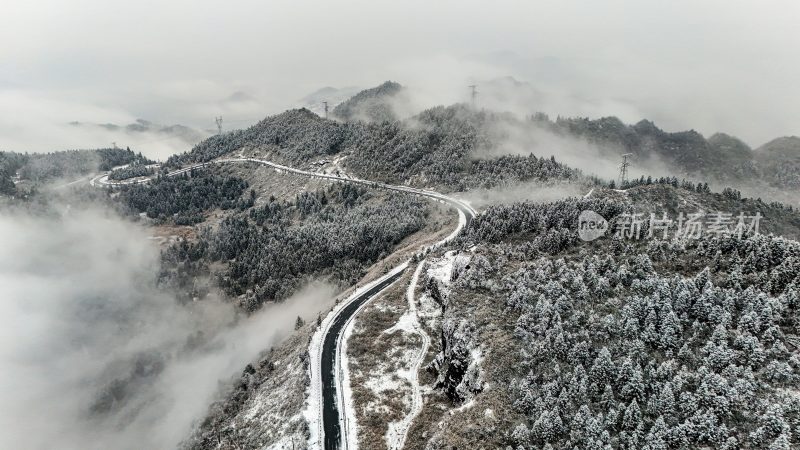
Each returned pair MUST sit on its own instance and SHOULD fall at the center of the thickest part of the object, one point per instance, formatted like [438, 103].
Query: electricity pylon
[623, 169]
[474, 93]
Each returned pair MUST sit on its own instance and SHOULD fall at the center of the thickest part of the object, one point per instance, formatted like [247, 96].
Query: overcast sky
[728, 66]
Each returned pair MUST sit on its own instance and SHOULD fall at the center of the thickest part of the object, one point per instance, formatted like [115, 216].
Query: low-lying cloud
[517, 137]
[94, 356]
[720, 67]
[531, 191]
[36, 123]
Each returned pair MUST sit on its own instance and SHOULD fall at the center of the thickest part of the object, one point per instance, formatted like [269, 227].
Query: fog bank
[710, 66]
[532, 191]
[93, 356]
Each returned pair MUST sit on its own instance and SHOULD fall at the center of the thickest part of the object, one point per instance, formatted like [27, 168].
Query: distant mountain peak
[371, 105]
[790, 144]
[240, 96]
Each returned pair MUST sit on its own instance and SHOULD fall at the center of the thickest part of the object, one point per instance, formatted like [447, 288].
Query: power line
[219, 124]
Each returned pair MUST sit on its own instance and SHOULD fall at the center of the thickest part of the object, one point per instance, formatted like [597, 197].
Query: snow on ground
[405, 376]
[397, 431]
[381, 378]
[385, 382]
[428, 308]
[441, 268]
[313, 411]
[347, 418]
[474, 374]
[336, 167]
[477, 356]
[269, 413]
[386, 379]
[262, 410]
[407, 323]
[382, 308]
[467, 405]
[285, 443]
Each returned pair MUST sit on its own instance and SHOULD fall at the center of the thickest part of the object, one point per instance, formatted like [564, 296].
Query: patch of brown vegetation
[374, 354]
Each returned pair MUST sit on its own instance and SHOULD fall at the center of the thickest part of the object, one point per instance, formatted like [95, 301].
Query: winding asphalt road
[338, 432]
[332, 429]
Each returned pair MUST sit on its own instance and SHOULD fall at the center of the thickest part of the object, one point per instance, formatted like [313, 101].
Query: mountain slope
[781, 159]
[371, 105]
[617, 343]
[437, 148]
[533, 319]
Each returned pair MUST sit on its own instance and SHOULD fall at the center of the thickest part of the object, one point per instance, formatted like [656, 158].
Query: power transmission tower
[219, 124]
[474, 93]
[326, 109]
[623, 169]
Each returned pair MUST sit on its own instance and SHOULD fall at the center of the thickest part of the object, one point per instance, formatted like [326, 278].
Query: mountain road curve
[326, 407]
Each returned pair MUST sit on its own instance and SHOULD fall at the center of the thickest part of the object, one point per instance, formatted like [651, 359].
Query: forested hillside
[781, 158]
[720, 158]
[621, 343]
[221, 238]
[44, 167]
[436, 148]
[546, 341]
[9, 165]
[687, 151]
[440, 149]
[273, 248]
[131, 171]
[457, 147]
[184, 199]
[295, 136]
